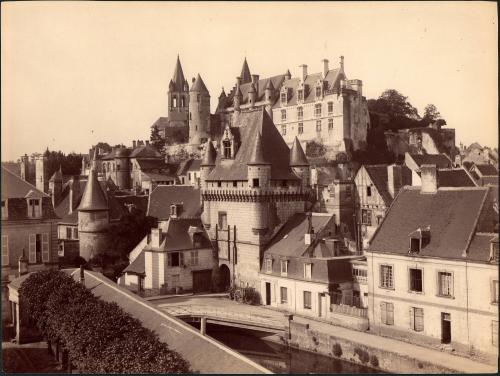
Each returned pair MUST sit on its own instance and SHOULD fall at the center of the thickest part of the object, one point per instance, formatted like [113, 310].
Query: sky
[74, 74]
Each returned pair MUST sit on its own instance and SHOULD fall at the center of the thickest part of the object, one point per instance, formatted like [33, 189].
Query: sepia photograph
[249, 187]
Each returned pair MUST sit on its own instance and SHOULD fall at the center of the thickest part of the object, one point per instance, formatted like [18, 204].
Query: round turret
[199, 112]
[259, 169]
[122, 162]
[299, 163]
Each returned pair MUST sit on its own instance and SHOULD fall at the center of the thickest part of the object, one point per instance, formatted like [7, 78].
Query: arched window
[183, 102]
[174, 102]
[227, 148]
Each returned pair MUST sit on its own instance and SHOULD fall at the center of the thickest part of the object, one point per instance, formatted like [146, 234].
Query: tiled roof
[138, 202]
[274, 149]
[451, 213]
[110, 155]
[15, 187]
[165, 195]
[297, 155]
[379, 178]
[456, 177]
[137, 266]
[178, 77]
[157, 177]
[190, 164]
[479, 249]
[440, 160]
[195, 165]
[487, 169]
[152, 164]
[145, 151]
[177, 237]
[328, 174]
[276, 81]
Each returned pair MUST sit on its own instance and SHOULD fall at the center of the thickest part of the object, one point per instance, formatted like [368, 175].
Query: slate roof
[190, 164]
[479, 249]
[157, 177]
[145, 151]
[163, 196]
[245, 72]
[487, 169]
[57, 176]
[15, 187]
[297, 155]
[328, 174]
[110, 155]
[178, 77]
[151, 164]
[451, 213]
[93, 197]
[137, 266]
[209, 154]
[378, 176]
[274, 149]
[440, 160]
[199, 85]
[456, 177]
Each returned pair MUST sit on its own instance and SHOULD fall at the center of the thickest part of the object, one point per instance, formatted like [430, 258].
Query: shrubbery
[99, 336]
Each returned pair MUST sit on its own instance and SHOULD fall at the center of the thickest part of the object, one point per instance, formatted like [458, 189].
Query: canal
[279, 358]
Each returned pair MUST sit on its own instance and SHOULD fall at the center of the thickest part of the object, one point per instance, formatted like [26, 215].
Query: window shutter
[45, 247]
[390, 314]
[412, 318]
[169, 257]
[383, 313]
[5, 250]
[32, 250]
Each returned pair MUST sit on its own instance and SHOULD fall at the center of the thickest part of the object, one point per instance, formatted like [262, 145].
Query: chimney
[304, 71]
[74, 193]
[147, 142]
[255, 78]
[238, 81]
[23, 265]
[309, 235]
[193, 80]
[155, 237]
[342, 63]
[325, 67]
[428, 175]
[394, 179]
[82, 275]
[134, 144]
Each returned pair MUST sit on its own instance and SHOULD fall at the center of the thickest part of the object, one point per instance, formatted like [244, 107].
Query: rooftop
[163, 196]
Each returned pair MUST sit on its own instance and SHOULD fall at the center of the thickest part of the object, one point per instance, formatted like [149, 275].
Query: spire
[269, 85]
[257, 157]
[93, 197]
[178, 78]
[210, 154]
[297, 156]
[223, 93]
[199, 85]
[288, 75]
[57, 177]
[245, 75]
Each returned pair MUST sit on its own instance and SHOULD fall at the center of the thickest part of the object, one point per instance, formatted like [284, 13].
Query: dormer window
[269, 265]
[283, 98]
[414, 245]
[494, 250]
[227, 148]
[175, 210]
[300, 94]
[34, 208]
[419, 239]
[307, 271]
[284, 267]
[318, 91]
[197, 238]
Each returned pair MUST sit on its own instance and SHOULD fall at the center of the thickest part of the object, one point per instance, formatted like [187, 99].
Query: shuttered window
[387, 313]
[307, 300]
[5, 250]
[32, 249]
[45, 248]
[417, 319]
[283, 295]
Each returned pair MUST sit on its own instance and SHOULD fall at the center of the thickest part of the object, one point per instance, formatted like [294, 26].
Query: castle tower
[42, 182]
[25, 167]
[238, 97]
[93, 219]
[55, 187]
[199, 112]
[122, 162]
[207, 165]
[245, 76]
[178, 91]
[252, 95]
[269, 94]
[222, 100]
[299, 163]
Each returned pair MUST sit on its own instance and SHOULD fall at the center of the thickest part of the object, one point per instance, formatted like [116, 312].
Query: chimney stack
[325, 67]
[428, 174]
[342, 63]
[309, 235]
[394, 179]
[193, 80]
[134, 144]
[304, 71]
[147, 142]
[74, 192]
[25, 167]
[155, 237]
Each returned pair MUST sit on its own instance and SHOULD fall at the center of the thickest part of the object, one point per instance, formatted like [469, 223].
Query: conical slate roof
[222, 94]
[245, 75]
[269, 85]
[297, 155]
[178, 78]
[93, 197]
[257, 156]
[210, 155]
[57, 177]
[199, 85]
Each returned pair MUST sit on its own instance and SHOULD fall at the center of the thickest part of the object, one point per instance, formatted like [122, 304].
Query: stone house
[189, 172]
[484, 174]
[433, 267]
[186, 198]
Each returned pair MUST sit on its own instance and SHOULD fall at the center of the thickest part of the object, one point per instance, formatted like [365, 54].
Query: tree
[156, 140]
[394, 104]
[104, 146]
[431, 113]
[69, 164]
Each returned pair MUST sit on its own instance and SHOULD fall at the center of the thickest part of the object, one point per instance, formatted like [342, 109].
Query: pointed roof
[199, 85]
[252, 88]
[269, 85]
[210, 154]
[93, 197]
[223, 93]
[257, 156]
[297, 155]
[245, 75]
[178, 77]
[57, 177]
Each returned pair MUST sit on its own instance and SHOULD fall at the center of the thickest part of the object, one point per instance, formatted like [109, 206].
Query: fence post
[203, 326]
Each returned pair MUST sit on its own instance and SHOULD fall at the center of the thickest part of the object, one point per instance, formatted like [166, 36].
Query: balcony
[347, 305]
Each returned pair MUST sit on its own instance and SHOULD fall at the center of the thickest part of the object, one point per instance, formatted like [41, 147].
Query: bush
[99, 336]
[337, 350]
[362, 354]
[374, 361]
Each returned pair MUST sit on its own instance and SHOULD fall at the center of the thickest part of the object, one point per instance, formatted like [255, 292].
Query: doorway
[445, 327]
[225, 277]
[268, 293]
[321, 305]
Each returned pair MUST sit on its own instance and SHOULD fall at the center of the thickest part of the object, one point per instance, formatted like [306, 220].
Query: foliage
[431, 113]
[315, 149]
[337, 350]
[70, 164]
[362, 354]
[104, 146]
[394, 104]
[99, 336]
[156, 140]
[374, 361]
[177, 136]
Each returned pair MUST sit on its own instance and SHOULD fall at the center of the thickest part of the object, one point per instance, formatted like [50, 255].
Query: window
[219, 184]
[386, 277]
[300, 113]
[366, 217]
[307, 300]
[379, 219]
[75, 232]
[318, 91]
[269, 265]
[183, 102]
[414, 245]
[417, 319]
[34, 208]
[330, 107]
[283, 295]
[300, 95]
[283, 115]
[494, 332]
[284, 267]
[222, 220]
[318, 126]
[197, 241]
[227, 148]
[235, 184]
[330, 124]
[300, 128]
[317, 110]
[283, 129]
[387, 313]
[307, 271]
[174, 102]
[283, 97]
[5, 250]
[445, 284]
[494, 251]
[189, 176]
[69, 232]
[416, 280]
[255, 183]
[494, 292]
[369, 191]
[194, 258]
[175, 259]
[117, 167]
[38, 248]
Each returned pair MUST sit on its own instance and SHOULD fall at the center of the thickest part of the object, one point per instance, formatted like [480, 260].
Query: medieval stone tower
[25, 167]
[42, 182]
[199, 112]
[122, 162]
[178, 91]
[93, 219]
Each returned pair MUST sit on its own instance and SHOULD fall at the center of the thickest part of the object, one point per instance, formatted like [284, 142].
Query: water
[279, 358]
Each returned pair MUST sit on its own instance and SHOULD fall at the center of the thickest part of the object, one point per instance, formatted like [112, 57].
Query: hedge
[99, 336]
